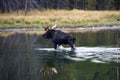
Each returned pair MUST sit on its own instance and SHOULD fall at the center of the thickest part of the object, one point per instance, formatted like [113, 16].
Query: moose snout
[43, 35]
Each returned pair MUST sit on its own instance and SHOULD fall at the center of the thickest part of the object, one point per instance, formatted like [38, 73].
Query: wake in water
[94, 54]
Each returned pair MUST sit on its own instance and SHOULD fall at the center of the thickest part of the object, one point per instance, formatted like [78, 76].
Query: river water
[28, 56]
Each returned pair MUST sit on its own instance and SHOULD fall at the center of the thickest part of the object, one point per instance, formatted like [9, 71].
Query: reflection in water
[16, 53]
[30, 57]
[48, 70]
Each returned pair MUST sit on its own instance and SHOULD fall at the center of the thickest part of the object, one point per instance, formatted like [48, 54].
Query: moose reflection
[48, 70]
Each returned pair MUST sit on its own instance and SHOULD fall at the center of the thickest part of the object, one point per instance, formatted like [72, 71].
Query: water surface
[25, 56]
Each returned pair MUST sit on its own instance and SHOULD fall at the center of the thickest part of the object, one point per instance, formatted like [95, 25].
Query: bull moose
[58, 37]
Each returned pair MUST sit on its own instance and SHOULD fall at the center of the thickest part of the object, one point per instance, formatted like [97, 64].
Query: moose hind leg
[71, 43]
[72, 46]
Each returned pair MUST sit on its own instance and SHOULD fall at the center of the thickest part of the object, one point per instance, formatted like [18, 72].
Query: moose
[58, 37]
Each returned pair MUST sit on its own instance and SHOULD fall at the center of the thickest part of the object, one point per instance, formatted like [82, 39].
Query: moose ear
[46, 28]
[54, 26]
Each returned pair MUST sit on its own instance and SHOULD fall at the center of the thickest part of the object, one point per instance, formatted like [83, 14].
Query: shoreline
[76, 29]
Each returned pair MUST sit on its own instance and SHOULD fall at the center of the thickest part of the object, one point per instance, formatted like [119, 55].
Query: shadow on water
[30, 57]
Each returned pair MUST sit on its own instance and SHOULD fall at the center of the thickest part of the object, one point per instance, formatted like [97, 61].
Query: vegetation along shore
[63, 18]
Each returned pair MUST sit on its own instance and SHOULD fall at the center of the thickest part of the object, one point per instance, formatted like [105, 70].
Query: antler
[54, 26]
[47, 28]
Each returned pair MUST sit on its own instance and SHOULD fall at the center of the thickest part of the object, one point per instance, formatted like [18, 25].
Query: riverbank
[4, 32]
[67, 29]
[63, 18]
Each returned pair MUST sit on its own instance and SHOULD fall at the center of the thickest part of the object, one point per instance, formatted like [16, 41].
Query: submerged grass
[65, 18]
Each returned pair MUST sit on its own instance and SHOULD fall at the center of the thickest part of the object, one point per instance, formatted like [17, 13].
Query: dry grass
[60, 17]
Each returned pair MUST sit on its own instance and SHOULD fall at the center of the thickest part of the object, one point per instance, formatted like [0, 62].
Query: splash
[94, 54]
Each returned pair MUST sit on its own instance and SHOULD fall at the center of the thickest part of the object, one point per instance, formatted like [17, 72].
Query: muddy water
[25, 56]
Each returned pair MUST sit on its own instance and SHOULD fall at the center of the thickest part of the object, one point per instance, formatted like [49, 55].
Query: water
[27, 56]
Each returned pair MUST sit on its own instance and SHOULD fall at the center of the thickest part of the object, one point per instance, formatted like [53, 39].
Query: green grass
[65, 18]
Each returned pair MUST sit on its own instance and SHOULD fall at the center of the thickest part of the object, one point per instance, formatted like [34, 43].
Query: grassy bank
[66, 18]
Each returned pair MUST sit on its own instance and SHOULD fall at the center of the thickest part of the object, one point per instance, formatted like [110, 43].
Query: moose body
[58, 38]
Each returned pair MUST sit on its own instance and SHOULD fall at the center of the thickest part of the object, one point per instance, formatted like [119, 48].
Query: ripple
[94, 54]
[99, 54]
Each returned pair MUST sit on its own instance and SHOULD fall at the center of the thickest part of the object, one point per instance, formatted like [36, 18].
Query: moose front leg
[55, 46]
